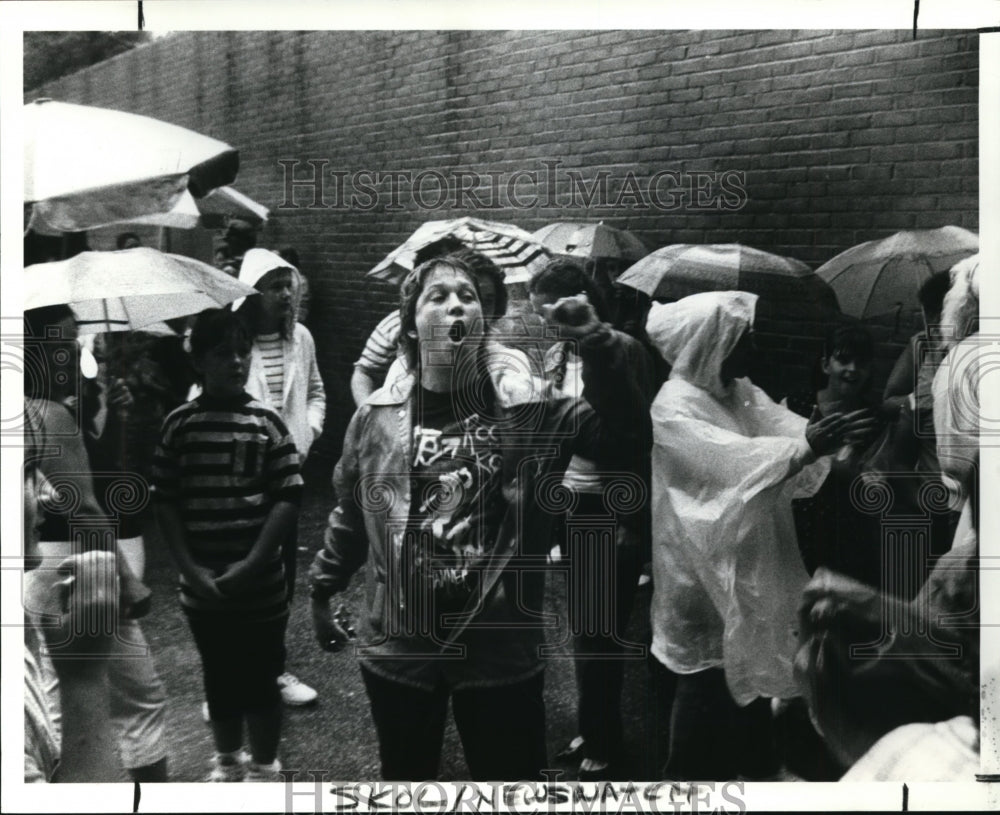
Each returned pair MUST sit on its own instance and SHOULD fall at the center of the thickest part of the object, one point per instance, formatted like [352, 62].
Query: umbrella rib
[128, 317]
[871, 292]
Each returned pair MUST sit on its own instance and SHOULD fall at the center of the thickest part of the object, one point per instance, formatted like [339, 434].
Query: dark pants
[711, 738]
[502, 728]
[241, 662]
[290, 559]
[603, 577]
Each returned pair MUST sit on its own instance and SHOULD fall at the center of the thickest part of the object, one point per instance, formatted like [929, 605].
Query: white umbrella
[517, 254]
[212, 212]
[883, 276]
[129, 289]
[86, 166]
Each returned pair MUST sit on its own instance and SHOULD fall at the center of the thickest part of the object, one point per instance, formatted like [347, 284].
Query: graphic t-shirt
[456, 500]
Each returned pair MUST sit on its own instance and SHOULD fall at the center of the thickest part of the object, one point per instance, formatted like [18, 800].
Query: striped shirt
[224, 463]
[272, 353]
[382, 347]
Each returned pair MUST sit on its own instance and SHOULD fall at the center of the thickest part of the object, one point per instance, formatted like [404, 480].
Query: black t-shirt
[456, 497]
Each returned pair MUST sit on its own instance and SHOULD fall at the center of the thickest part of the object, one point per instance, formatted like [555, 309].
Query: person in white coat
[727, 573]
[285, 377]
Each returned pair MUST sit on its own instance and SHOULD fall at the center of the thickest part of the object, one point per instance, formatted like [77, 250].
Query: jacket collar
[512, 390]
[396, 392]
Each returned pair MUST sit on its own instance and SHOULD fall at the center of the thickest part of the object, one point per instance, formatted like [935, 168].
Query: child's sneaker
[229, 766]
[264, 772]
[295, 692]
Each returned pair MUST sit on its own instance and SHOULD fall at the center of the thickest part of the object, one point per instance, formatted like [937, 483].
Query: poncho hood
[696, 334]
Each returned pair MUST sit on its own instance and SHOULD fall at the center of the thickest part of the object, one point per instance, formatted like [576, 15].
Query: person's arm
[277, 527]
[316, 395]
[85, 604]
[377, 357]
[283, 477]
[166, 491]
[71, 470]
[89, 739]
[199, 579]
[71, 467]
[363, 385]
[620, 423]
[345, 543]
[857, 700]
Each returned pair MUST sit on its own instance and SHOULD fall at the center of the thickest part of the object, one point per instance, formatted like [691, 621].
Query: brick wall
[840, 137]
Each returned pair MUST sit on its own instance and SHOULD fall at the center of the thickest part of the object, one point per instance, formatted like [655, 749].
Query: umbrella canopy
[129, 289]
[518, 255]
[883, 276]
[214, 211]
[674, 272]
[87, 166]
[591, 241]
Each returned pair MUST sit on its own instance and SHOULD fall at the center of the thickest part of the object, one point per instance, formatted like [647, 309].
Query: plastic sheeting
[727, 462]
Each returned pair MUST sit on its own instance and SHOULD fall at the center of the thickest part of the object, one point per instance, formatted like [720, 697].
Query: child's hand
[201, 581]
[235, 580]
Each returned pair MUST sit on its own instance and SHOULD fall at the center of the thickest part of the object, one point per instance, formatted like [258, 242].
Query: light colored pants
[138, 696]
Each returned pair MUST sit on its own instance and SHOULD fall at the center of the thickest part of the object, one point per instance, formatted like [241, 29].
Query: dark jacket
[501, 641]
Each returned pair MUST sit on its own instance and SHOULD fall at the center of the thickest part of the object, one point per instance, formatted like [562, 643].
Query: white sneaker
[229, 767]
[264, 772]
[294, 692]
[206, 717]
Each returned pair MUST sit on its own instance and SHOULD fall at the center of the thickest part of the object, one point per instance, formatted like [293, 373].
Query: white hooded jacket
[726, 462]
[303, 403]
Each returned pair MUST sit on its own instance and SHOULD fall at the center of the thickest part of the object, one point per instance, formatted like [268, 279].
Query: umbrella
[591, 241]
[517, 254]
[129, 289]
[87, 166]
[676, 271]
[879, 277]
[211, 212]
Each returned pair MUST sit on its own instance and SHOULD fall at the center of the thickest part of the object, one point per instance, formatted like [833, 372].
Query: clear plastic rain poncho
[727, 461]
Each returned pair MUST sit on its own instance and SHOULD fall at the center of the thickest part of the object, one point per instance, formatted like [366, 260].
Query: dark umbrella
[594, 241]
[677, 271]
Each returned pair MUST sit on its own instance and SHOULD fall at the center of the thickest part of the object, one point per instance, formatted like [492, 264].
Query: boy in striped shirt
[227, 483]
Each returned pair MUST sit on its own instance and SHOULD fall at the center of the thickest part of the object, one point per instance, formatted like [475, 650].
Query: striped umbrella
[677, 271]
[884, 276]
[517, 254]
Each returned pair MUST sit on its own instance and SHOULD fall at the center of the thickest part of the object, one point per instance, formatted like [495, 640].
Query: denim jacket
[502, 637]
